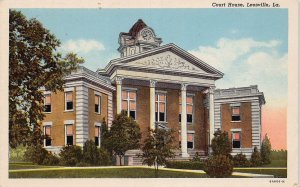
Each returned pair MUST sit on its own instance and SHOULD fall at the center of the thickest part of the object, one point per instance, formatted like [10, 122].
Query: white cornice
[91, 76]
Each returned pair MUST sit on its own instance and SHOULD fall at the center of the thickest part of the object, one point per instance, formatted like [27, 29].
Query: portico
[164, 87]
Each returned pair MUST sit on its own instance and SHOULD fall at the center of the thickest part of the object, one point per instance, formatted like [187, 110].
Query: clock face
[147, 34]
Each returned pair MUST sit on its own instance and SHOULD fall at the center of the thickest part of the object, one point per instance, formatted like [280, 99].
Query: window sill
[188, 123]
[47, 112]
[69, 110]
[161, 122]
[237, 148]
[235, 121]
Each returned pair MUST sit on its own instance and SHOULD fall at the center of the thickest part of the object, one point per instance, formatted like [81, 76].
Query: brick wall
[58, 115]
[93, 116]
[244, 124]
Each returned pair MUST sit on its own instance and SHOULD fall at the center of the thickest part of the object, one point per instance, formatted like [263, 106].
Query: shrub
[256, 158]
[194, 165]
[221, 144]
[197, 157]
[17, 154]
[82, 164]
[51, 160]
[104, 158]
[35, 154]
[218, 166]
[70, 155]
[240, 160]
[90, 153]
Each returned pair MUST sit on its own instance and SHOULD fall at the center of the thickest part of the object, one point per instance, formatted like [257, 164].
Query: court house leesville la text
[244, 5]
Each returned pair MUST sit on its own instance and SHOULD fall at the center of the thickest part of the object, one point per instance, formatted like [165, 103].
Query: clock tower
[140, 38]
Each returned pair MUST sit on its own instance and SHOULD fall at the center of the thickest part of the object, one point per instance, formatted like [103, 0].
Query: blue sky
[248, 45]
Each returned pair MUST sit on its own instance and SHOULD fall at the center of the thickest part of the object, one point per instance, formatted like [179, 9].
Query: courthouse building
[160, 86]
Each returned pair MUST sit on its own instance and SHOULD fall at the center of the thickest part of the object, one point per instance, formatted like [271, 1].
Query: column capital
[211, 90]
[119, 79]
[183, 86]
[153, 83]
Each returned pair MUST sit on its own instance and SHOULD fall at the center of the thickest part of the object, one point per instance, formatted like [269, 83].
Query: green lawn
[27, 165]
[277, 163]
[278, 173]
[104, 173]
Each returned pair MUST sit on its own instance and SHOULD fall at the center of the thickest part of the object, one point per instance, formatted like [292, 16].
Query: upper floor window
[160, 107]
[97, 135]
[236, 140]
[235, 113]
[129, 102]
[69, 101]
[69, 134]
[47, 133]
[189, 108]
[47, 103]
[98, 104]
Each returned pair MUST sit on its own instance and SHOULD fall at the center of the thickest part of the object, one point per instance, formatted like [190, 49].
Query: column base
[185, 155]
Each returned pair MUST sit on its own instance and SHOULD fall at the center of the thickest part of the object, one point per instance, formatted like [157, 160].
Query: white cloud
[249, 62]
[267, 64]
[227, 51]
[82, 46]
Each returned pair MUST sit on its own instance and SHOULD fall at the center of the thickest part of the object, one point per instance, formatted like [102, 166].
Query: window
[47, 103]
[160, 107]
[69, 134]
[129, 102]
[236, 140]
[47, 133]
[68, 100]
[97, 104]
[235, 111]
[190, 140]
[97, 135]
[189, 109]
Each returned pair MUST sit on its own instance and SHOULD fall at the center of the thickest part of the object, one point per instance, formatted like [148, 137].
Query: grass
[277, 163]
[27, 165]
[278, 173]
[104, 173]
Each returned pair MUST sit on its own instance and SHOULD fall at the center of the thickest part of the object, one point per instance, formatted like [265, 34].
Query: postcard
[154, 93]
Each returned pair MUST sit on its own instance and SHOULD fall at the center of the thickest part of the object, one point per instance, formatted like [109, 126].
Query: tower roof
[139, 25]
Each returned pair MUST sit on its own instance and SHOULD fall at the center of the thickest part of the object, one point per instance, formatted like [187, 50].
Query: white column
[152, 104]
[119, 94]
[183, 122]
[211, 114]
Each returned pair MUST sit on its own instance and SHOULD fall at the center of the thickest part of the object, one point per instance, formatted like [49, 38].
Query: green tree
[34, 63]
[221, 144]
[124, 135]
[105, 134]
[157, 148]
[266, 150]
[220, 163]
[255, 158]
[90, 153]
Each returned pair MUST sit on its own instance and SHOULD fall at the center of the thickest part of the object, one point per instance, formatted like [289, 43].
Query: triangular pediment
[165, 59]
